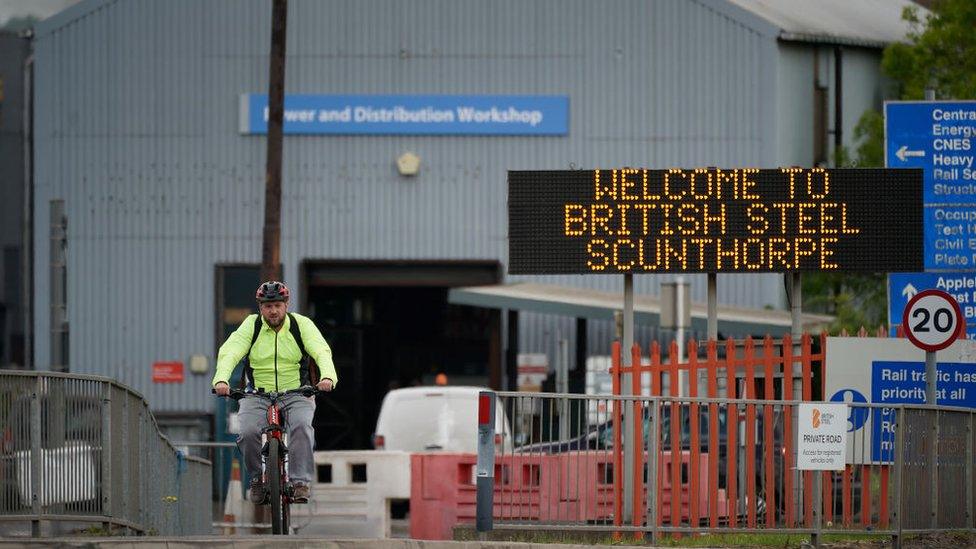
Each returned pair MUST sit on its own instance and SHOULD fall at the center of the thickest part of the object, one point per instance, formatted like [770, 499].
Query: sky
[38, 8]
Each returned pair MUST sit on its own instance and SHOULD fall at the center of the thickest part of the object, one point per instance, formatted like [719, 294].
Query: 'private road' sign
[821, 437]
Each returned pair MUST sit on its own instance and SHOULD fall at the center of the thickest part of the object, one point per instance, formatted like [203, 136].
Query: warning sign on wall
[821, 437]
[167, 372]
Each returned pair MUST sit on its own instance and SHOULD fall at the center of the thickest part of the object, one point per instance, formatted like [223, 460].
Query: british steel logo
[819, 418]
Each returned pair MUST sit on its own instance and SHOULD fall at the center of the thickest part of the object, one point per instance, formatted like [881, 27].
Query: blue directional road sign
[961, 286]
[940, 138]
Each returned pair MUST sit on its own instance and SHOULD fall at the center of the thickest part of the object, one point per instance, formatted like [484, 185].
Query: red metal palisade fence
[766, 369]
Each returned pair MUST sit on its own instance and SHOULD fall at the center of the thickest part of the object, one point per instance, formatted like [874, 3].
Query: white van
[436, 419]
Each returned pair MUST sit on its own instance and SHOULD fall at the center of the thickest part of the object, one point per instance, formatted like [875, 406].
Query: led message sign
[715, 220]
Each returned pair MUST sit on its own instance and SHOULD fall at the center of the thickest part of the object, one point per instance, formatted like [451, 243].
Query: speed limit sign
[932, 320]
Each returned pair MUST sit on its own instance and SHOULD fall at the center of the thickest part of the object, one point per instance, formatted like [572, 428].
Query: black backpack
[308, 370]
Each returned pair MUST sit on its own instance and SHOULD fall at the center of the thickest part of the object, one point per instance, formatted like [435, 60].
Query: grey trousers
[298, 413]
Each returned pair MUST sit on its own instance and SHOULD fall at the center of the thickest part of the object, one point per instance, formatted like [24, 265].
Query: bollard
[486, 463]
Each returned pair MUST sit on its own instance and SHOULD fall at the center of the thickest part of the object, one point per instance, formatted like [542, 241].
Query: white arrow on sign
[904, 153]
[909, 291]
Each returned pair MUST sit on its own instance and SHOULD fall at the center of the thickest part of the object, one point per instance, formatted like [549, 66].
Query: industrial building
[145, 184]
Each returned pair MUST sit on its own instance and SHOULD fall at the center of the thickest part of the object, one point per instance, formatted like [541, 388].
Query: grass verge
[955, 540]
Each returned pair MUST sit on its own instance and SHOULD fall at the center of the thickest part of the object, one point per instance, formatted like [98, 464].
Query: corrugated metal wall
[137, 130]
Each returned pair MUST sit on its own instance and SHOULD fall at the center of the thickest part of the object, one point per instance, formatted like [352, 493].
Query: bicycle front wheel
[279, 522]
[285, 515]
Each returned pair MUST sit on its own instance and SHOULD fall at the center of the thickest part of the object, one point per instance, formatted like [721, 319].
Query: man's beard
[274, 324]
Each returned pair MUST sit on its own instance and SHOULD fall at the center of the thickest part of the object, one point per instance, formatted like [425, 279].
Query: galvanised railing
[84, 452]
[726, 465]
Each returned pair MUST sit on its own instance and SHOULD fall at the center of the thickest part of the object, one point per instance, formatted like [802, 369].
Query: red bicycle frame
[274, 430]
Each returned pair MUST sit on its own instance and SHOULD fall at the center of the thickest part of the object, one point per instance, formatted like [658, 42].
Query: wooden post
[271, 245]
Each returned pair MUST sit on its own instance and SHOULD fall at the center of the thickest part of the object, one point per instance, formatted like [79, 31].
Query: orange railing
[765, 369]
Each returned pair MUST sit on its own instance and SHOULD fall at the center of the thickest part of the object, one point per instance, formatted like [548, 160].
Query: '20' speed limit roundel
[932, 320]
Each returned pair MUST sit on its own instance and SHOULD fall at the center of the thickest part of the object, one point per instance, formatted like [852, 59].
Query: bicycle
[275, 452]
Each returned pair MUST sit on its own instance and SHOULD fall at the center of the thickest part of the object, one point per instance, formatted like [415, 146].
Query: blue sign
[858, 416]
[412, 114]
[940, 138]
[895, 382]
[903, 286]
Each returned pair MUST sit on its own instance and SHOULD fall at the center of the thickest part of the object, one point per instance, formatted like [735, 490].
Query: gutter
[834, 40]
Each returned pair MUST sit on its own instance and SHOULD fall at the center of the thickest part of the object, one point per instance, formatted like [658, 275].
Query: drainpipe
[27, 245]
[838, 100]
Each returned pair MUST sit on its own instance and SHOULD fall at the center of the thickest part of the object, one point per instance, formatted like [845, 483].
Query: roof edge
[743, 16]
[834, 40]
[68, 16]
[592, 303]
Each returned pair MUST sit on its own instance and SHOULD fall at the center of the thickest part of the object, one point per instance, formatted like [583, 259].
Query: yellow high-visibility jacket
[275, 356]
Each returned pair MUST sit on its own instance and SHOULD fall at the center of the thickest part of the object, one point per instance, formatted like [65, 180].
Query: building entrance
[390, 326]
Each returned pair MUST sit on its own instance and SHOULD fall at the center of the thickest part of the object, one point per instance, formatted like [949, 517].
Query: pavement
[256, 542]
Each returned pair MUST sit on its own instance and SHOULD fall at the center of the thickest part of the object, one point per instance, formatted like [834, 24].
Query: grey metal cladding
[137, 130]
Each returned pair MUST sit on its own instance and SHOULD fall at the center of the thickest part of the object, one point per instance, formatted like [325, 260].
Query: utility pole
[271, 247]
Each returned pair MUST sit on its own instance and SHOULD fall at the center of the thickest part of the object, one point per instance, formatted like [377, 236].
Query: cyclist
[275, 363]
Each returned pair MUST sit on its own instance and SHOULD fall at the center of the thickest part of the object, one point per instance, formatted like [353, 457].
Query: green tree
[940, 54]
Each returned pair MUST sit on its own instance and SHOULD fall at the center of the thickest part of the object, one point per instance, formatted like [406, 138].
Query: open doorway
[389, 326]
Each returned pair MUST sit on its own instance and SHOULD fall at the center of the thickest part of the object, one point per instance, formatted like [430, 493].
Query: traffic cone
[232, 505]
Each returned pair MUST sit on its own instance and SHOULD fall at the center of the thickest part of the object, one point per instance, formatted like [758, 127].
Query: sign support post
[630, 385]
[796, 329]
[931, 375]
[934, 462]
[930, 378]
[932, 321]
[817, 509]
[713, 306]
[821, 444]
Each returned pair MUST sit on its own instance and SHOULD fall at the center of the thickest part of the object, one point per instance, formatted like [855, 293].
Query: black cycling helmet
[272, 290]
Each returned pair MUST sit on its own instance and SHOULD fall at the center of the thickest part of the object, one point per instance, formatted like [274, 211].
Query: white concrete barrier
[352, 494]
[68, 474]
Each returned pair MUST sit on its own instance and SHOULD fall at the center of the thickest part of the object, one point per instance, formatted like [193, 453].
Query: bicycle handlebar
[237, 394]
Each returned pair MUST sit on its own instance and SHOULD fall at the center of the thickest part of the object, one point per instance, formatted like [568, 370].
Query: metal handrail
[87, 449]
